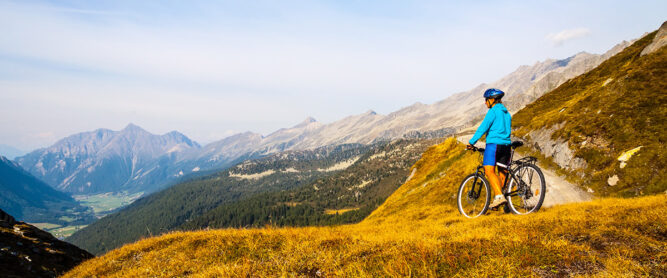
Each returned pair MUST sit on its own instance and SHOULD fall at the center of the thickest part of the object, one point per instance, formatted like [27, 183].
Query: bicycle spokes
[526, 190]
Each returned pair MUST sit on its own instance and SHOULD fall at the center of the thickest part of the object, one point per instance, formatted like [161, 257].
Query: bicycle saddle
[516, 144]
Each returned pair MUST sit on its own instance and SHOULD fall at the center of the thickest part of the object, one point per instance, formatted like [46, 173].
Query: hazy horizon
[213, 69]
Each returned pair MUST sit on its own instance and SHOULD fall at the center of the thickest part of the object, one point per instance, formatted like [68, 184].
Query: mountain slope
[26, 251]
[593, 124]
[417, 232]
[108, 161]
[220, 154]
[172, 207]
[31, 200]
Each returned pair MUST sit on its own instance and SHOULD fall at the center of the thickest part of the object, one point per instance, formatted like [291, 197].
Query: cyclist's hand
[470, 147]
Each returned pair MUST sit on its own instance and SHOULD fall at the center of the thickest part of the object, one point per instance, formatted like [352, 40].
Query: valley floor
[105, 203]
[59, 231]
[102, 205]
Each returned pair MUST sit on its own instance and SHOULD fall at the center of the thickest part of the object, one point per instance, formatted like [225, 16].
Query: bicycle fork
[475, 192]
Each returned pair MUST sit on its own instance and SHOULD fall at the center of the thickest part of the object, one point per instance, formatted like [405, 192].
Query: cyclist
[497, 127]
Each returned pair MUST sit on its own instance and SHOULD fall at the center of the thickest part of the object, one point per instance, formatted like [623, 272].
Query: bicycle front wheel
[474, 196]
[526, 190]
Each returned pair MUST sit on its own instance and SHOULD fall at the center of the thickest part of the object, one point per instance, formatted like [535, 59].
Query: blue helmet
[493, 93]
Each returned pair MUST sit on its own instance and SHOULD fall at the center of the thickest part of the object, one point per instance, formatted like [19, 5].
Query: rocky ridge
[658, 42]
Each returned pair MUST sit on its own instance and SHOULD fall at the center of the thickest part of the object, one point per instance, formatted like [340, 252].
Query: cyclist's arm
[483, 127]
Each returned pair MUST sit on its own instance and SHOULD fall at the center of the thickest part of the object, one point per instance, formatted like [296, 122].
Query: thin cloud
[566, 35]
[45, 135]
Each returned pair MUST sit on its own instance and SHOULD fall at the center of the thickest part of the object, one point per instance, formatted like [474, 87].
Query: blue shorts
[495, 154]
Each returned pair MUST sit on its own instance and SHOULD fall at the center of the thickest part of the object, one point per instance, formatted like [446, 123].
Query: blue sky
[213, 68]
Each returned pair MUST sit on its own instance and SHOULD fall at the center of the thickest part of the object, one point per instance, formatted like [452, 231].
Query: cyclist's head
[492, 96]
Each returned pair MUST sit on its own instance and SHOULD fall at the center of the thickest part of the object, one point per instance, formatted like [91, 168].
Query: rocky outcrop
[6, 219]
[659, 40]
[26, 251]
[557, 149]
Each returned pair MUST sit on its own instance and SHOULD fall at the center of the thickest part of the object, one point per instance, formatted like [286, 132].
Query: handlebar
[514, 145]
[476, 149]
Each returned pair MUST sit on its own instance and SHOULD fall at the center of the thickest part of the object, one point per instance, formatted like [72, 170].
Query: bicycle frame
[516, 186]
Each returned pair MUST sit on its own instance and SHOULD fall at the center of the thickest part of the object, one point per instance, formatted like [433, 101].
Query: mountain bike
[524, 188]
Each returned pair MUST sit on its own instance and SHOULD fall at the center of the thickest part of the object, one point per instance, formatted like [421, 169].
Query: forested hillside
[606, 128]
[30, 199]
[345, 197]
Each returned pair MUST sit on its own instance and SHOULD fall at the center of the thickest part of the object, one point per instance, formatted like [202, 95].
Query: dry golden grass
[418, 232]
[338, 211]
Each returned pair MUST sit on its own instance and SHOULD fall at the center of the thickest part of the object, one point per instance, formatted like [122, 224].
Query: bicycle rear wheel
[526, 190]
[474, 196]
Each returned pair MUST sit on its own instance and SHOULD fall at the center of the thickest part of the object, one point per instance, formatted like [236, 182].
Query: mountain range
[103, 160]
[135, 160]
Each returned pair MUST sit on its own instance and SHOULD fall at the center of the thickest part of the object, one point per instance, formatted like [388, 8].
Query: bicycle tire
[533, 178]
[463, 196]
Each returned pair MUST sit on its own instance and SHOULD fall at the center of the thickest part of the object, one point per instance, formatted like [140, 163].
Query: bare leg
[493, 179]
[502, 174]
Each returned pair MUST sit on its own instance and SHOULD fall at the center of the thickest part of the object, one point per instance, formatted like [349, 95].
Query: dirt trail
[559, 190]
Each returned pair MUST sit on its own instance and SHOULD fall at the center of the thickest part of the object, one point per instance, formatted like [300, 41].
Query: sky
[210, 69]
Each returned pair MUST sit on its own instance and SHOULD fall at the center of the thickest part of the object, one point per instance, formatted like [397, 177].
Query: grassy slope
[614, 108]
[417, 232]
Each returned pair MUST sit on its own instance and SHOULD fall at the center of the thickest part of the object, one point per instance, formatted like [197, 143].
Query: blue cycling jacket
[498, 124]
